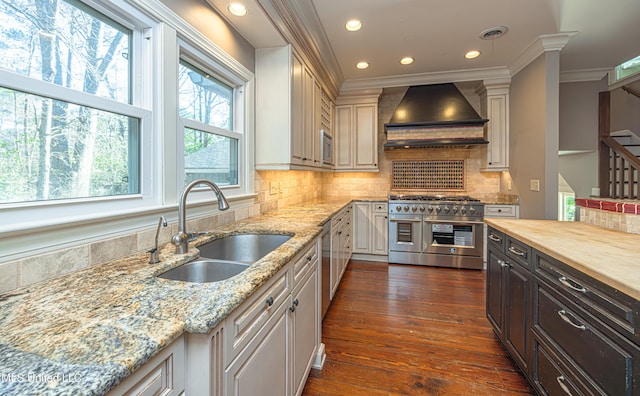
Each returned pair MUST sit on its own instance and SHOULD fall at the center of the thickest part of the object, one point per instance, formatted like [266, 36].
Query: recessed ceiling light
[353, 25]
[407, 60]
[237, 9]
[472, 54]
[362, 65]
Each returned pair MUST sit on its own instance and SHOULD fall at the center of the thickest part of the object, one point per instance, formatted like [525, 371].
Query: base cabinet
[370, 229]
[341, 245]
[569, 333]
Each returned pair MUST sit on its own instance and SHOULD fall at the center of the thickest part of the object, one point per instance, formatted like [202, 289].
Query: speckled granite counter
[91, 329]
[612, 257]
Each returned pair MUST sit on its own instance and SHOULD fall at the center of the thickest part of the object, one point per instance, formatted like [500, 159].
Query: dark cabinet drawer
[518, 252]
[610, 361]
[495, 239]
[550, 378]
[616, 309]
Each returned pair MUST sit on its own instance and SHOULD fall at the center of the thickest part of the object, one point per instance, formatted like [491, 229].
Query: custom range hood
[434, 116]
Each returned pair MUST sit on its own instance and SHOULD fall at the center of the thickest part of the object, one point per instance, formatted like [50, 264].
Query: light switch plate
[534, 185]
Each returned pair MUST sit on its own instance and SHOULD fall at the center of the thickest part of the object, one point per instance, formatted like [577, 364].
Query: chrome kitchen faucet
[181, 239]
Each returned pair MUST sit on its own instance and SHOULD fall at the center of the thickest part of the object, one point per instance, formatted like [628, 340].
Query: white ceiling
[437, 33]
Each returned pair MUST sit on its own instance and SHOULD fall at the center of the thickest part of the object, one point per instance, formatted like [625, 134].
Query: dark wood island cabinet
[569, 333]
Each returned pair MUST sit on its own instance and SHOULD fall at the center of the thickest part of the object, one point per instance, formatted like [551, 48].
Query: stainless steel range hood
[434, 116]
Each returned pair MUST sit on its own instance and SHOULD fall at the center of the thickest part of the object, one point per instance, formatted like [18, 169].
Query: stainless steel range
[436, 231]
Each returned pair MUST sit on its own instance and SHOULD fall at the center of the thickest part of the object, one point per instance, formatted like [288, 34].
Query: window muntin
[58, 143]
[211, 146]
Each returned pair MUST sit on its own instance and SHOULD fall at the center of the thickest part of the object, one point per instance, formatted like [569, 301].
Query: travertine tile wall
[625, 222]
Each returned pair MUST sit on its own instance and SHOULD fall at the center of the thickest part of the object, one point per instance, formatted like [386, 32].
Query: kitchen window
[211, 145]
[99, 133]
[67, 127]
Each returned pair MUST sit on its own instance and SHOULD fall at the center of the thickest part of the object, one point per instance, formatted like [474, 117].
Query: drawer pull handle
[495, 238]
[292, 308]
[503, 263]
[571, 284]
[269, 301]
[517, 252]
[564, 387]
[563, 316]
[309, 258]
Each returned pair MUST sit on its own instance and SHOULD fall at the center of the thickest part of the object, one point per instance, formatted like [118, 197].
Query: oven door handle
[453, 221]
[416, 219]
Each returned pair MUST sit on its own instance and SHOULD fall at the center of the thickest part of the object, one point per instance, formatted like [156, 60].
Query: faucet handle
[154, 251]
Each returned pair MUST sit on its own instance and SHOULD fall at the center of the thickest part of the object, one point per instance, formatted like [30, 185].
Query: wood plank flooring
[412, 330]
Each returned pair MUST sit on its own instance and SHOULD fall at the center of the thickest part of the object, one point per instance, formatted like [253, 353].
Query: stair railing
[624, 170]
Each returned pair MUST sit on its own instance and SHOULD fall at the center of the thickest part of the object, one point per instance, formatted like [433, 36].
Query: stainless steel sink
[244, 248]
[205, 270]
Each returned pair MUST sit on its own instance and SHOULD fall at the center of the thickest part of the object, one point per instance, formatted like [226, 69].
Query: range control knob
[398, 208]
[406, 208]
[430, 209]
[454, 210]
[472, 210]
[447, 209]
[463, 210]
[422, 208]
[414, 208]
[438, 209]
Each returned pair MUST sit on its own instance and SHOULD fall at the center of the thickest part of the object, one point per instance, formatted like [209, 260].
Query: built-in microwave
[327, 148]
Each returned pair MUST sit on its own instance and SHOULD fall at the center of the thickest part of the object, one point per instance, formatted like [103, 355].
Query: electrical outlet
[534, 185]
[280, 187]
[509, 185]
[273, 187]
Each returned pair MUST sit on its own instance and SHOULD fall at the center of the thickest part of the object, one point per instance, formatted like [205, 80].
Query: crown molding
[584, 75]
[489, 74]
[544, 43]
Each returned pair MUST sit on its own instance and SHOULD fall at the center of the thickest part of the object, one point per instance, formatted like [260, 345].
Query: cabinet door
[366, 136]
[304, 312]
[380, 234]
[263, 365]
[297, 111]
[517, 313]
[495, 290]
[343, 137]
[362, 227]
[336, 255]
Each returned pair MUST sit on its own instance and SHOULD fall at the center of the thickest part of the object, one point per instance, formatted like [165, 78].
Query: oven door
[405, 233]
[462, 238]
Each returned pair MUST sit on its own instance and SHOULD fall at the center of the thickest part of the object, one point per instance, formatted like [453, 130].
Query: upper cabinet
[289, 108]
[494, 97]
[356, 133]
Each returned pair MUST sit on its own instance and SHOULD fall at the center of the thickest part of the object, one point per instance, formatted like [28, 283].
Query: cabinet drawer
[518, 251]
[245, 321]
[608, 360]
[380, 207]
[549, 378]
[618, 310]
[496, 239]
[499, 211]
[305, 263]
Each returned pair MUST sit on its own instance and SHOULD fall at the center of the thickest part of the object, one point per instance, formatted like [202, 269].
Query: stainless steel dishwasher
[326, 267]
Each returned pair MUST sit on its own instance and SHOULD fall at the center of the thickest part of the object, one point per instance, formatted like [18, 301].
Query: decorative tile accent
[614, 215]
[430, 175]
[620, 206]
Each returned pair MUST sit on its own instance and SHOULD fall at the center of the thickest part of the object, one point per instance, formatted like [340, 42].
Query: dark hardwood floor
[409, 330]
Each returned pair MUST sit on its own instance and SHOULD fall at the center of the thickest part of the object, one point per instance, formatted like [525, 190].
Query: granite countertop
[612, 257]
[84, 332]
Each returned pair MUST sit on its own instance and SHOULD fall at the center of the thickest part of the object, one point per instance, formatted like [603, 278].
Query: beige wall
[533, 134]
[201, 16]
[579, 114]
[625, 109]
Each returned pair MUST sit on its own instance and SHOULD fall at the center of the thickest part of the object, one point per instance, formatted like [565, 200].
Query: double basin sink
[226, 257]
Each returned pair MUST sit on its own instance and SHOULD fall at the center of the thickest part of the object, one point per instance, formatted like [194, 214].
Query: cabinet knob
[309, 258]
[269, 301]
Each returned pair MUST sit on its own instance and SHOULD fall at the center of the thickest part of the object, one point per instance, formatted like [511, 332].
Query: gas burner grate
[430, 175]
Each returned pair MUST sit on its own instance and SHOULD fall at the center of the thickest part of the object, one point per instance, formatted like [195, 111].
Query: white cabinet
[494, 97]
[370, 229]
[305, 315]
[341, 245]
[356, 133]
[162, 375]
[287, 111]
